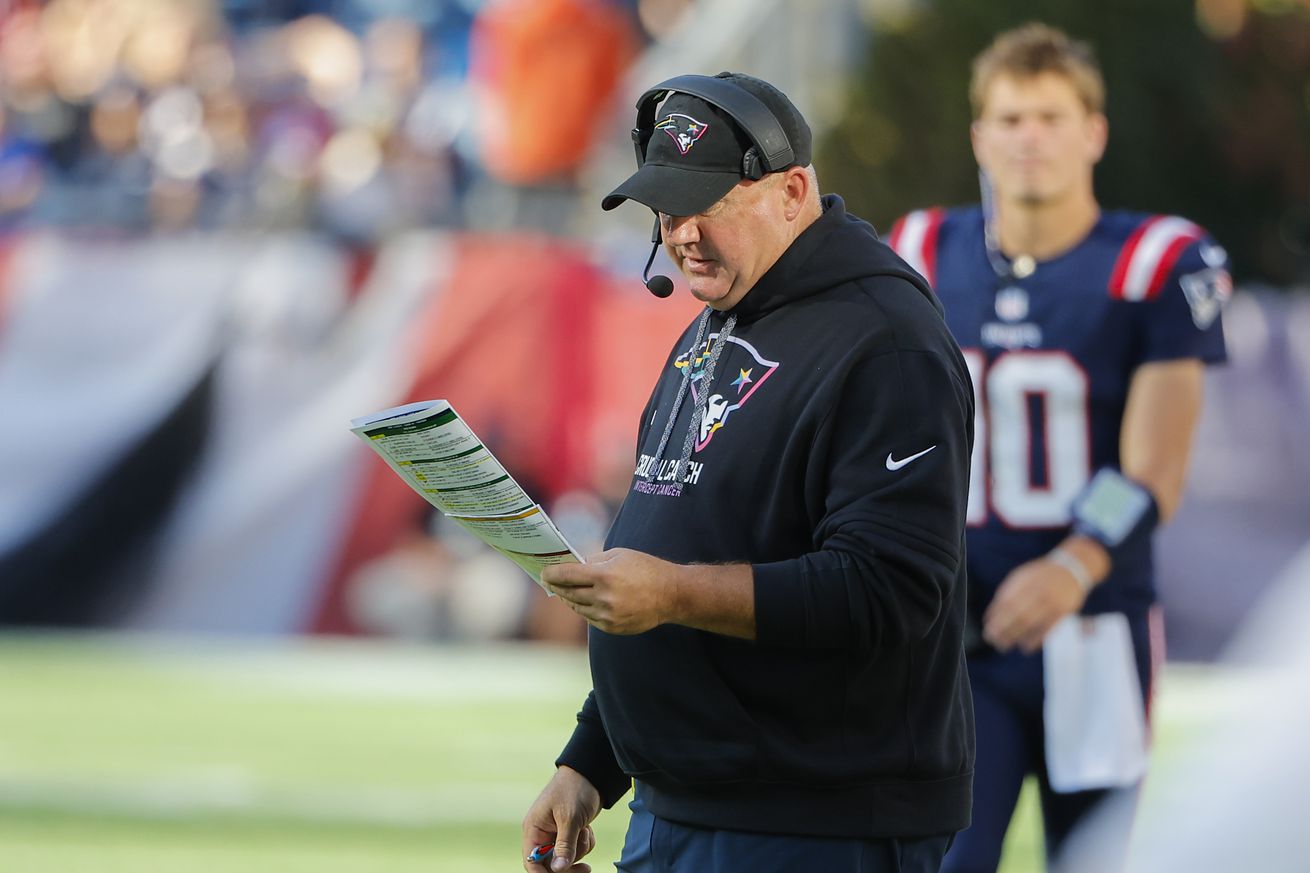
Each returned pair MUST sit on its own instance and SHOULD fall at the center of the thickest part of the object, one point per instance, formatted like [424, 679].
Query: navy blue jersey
[1052, 356]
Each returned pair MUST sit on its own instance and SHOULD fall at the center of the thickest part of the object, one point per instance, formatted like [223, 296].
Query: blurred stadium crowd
[355, 117]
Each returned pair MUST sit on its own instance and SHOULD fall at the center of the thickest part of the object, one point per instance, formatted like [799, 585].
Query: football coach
[776, 621]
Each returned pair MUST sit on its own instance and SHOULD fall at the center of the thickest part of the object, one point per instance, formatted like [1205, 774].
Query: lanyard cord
[702, 401]
[994, 257]
[1008, 271]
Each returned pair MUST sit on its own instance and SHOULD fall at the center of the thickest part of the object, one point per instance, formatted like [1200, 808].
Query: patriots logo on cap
[684, 129]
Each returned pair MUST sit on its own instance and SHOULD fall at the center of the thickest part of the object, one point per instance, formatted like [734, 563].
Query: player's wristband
[1070, 562]
[1115, 511]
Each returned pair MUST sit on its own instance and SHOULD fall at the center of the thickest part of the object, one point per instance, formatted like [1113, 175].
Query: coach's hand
[619, 591]
[562, 814]
[1028, 603]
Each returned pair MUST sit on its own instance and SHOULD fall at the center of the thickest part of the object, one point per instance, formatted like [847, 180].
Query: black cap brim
[673, 190]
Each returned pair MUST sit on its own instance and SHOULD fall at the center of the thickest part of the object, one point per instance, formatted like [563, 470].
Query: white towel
[1095, 721]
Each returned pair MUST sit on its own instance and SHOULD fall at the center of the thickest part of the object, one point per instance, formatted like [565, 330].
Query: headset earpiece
[750, 165]
[639, 140]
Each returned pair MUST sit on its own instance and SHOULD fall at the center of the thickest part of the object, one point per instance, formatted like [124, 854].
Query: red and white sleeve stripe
[914, 238]
[1148, 256]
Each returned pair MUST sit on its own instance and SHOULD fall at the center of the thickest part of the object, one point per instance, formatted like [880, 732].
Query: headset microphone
[660, 286]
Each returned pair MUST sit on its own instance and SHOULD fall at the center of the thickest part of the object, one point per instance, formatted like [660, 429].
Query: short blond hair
[1034, 49]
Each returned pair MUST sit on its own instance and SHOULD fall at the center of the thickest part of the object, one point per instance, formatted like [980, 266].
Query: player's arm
[1155, 442]
[1164, 403]
[1181, 333]
[1155, 446]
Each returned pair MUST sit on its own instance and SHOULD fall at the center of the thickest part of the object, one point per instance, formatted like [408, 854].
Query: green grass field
[129, 754]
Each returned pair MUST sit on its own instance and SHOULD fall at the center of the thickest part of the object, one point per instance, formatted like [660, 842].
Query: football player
[1086, 333]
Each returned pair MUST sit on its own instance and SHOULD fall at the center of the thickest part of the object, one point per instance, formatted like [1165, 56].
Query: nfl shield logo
[1012, 304]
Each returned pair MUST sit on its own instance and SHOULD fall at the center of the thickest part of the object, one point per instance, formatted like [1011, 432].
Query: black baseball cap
[695, 152]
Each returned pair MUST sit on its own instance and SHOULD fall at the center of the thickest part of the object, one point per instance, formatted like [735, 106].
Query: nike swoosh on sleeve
[896, 465]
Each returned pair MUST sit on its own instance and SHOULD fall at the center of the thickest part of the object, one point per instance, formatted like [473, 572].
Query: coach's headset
[770, 149]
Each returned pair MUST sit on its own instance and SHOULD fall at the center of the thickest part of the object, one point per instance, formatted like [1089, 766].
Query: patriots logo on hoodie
[684, 129]
[717, 406]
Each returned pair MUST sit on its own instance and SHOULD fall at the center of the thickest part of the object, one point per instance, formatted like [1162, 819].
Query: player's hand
[1028, 603]
[619, 591]
[562, 814]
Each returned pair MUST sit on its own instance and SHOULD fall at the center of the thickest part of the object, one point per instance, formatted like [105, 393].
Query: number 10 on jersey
[1032, 441]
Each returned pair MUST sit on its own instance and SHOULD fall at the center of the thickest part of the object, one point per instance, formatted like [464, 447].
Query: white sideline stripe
[346, 669]
[450, 680]
[1150, 249]
[239, 794]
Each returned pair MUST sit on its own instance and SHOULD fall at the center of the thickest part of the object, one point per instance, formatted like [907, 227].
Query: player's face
[724, 250]
[1036, 140]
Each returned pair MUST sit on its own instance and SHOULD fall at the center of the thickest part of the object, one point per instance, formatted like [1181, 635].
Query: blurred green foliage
[1212, 127]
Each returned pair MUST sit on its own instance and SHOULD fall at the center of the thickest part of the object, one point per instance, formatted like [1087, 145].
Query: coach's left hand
[619, 591]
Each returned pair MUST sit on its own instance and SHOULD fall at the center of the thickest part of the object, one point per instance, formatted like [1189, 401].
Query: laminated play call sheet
[432, 449]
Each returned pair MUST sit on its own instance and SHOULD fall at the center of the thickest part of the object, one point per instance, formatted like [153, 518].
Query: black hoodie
[835, 460]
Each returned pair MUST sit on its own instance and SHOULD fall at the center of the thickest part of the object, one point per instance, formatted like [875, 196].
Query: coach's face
[1036, 140]
[724, 250]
